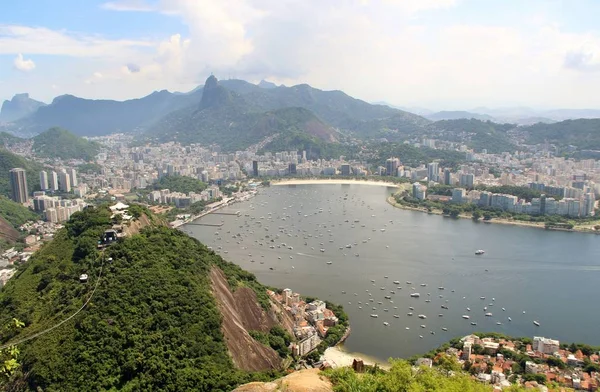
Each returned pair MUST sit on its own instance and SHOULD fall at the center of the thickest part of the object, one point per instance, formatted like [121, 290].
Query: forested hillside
[152, 323]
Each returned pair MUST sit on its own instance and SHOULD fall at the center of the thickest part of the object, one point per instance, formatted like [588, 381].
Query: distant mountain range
[455, 115]
[235, 113]
[18, 107]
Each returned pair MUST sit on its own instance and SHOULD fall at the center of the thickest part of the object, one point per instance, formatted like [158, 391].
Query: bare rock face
[309, 380]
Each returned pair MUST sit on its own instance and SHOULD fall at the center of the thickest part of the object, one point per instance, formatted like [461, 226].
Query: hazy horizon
[433, 54]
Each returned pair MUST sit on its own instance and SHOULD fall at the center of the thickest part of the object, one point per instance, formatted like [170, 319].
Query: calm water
[552, 276]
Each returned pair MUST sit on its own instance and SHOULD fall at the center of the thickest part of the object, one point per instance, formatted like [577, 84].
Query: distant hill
[582, 133]
[476, 134]
[90, 117]
[8, 161]
[60, 143]
[6, 139]
[18, 107]
[332, 107]
[455, 115]
[234, 121]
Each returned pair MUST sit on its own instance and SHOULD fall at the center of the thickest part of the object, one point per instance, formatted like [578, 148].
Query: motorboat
[479, 252]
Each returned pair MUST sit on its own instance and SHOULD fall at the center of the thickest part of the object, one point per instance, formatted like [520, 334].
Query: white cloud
[40, 40]
[373, 49]
[128, 5]
[22, 64]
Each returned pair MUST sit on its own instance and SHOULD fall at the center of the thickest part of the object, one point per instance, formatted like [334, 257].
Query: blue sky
[440, 54]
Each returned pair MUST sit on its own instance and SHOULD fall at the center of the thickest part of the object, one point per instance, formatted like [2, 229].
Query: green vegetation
[403, 378]
[15, 213]
[9, 161]
[477, 134]
[582, 133]
[60, 143]
[90, 168]
[152, 324]
[315, 148]
[6, 139]
[177, 183]
[413, 156]
[277, 338]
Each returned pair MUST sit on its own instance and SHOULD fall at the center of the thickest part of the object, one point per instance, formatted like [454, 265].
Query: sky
[436, 54]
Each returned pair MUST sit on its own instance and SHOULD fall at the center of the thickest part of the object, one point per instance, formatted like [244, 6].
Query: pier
[225, 213]
[205, 224]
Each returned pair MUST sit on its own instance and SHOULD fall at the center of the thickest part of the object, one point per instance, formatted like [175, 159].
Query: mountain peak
[19, 106]
[266, 84]
[214, 94]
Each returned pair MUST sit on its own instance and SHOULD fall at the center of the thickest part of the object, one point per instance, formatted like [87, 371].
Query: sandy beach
[338, 357]
[333, 182]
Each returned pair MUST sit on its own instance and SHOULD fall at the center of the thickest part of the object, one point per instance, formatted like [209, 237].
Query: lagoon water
[551, 276]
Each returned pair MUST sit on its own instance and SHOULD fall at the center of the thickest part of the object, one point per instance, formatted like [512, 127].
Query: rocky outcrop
[309, 380]
[242, 313]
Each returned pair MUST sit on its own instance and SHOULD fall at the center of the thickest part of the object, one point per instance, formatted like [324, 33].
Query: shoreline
[316, 181]
[337, 356]
[535, 225]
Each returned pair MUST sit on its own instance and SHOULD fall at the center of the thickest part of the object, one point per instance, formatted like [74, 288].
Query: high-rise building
[345, 169]
[433, 172]
[589, 204]
[53, 181]
[292, 169]
[255, 168]
[458, 195]
[73, 176]
[419, 191]
[64, 181]
[44, 181]
[467, 180]
[447, 177]
[18, 184]
[391, 166]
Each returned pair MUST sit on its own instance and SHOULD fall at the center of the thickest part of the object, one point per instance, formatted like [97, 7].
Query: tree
[476, 215]
[9, 355]
[448, 363]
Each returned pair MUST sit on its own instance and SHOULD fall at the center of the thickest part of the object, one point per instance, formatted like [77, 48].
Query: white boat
[329, 262]
[396, 282]
[396, 316]
[409, 314]
[422, 316]
[488, 315]
[374, 316]
[415, 295]
[473, 323]
[386, 323]
[479, 252]
[536, 323]
[444, 329]
[407, 282]
[423, 326]
[509, 319]
[466, 317]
